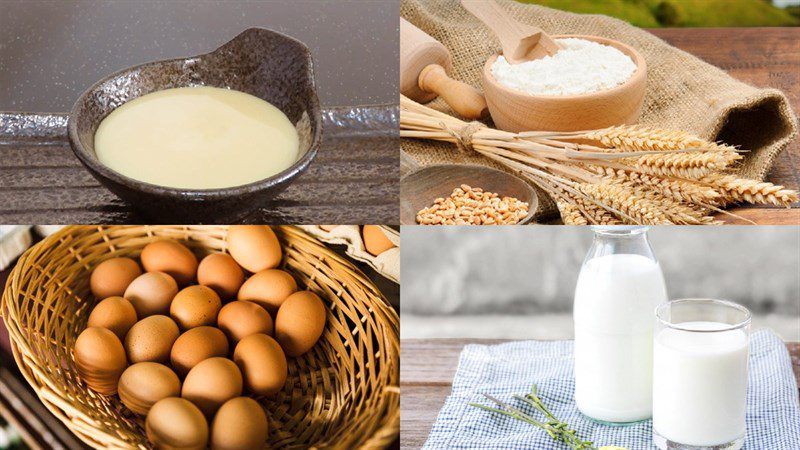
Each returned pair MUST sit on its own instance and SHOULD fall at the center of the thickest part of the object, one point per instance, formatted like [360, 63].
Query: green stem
[555, 428]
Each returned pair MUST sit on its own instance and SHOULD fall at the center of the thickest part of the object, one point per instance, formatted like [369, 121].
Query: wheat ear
[680, 190]
[619, 197]
[678, 212]
[570, 213]
[633, 138]
[738, 190]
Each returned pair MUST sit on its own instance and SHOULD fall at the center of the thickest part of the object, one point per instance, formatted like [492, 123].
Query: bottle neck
[631, 241]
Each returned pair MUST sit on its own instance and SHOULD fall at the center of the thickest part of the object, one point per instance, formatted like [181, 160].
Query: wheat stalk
[624, 174]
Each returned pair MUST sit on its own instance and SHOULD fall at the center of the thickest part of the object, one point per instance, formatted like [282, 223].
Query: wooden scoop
[520, 42]
[424, 64]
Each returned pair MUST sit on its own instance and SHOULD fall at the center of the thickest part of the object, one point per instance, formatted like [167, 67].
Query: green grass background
[684, 13]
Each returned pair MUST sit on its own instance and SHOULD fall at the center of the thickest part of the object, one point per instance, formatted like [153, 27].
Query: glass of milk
[700, 374]
[619, 286]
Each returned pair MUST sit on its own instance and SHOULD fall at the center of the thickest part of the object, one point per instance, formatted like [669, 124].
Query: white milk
[615, 300]
[699, 384]
[197, 138]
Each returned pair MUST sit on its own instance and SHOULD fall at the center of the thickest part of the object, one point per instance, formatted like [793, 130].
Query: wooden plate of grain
[421, 187]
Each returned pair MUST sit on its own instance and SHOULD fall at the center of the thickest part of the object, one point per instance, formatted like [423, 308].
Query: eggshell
[151, 293]
[196, 345]
[145, 383]
[239, 424]
[268, 288]
[151, 339]
[170, 257]
[240, 319]
[222, 274]
[111, 277]
[375, 240]
[100, 359]
[195, 306]
[211, 383]
[300, 322]
[328, 227]
[254, 247]
[175, 423]
[263, 364]
[114, 313]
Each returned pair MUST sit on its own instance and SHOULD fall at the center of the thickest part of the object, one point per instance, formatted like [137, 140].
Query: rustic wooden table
[764, 57]
[426, 376]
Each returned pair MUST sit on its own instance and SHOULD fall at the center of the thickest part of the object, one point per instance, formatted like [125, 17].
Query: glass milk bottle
[619, 287]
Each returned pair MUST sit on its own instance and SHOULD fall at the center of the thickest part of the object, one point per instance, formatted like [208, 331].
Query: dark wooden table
[353, 179]
[426, 376]
[763, 57]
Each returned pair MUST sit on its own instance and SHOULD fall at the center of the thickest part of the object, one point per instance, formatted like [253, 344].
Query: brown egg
[196, 345]
[100, 359]
[115, 314]
[151, 293]
[263, 364]
[254, 247]
[268, 288]
[375, 240]
[240, 319]
[145, 383]
[239, 424]
[300, 322]
[170, 257]
[111, 277]
[211, 383]
[221, 273]
[175, 423]
[151, 339]
[195, 306]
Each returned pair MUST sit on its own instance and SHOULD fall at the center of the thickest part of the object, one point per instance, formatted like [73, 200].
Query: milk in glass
[700, 379]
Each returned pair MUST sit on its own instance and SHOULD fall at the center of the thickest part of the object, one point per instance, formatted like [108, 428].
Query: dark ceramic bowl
[260, 62]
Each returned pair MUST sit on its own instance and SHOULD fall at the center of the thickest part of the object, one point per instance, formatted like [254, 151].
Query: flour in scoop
[580, 67]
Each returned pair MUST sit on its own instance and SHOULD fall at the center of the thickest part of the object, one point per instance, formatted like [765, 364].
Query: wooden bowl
[515, 111]
[421, 187]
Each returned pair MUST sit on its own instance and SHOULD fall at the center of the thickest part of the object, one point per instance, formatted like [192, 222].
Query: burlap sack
[386, 264]
[683, 92]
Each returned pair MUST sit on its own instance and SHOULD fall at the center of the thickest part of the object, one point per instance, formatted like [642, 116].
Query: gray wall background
[533, 270]
[52, 50]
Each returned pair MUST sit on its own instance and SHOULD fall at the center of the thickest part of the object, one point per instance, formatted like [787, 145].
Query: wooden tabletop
[426, 376]
[354, 178]
[763, 57]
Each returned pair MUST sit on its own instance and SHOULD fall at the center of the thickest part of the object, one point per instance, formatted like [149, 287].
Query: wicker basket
[342, 394]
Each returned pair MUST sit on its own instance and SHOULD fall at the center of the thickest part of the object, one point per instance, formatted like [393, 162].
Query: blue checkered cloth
[773, 413]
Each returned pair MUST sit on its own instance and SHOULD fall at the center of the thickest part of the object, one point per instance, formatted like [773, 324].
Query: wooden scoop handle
[520, 42]
[463, 98]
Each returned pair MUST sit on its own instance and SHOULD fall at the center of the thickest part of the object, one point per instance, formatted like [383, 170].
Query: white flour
[580, 67]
